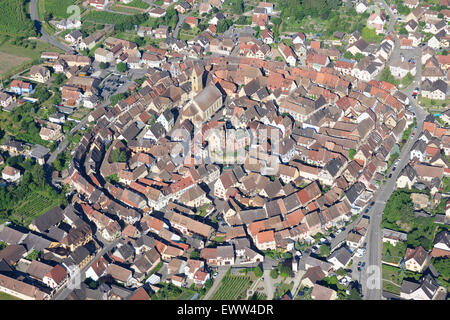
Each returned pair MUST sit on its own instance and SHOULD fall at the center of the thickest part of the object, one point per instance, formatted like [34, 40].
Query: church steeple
[197, 79]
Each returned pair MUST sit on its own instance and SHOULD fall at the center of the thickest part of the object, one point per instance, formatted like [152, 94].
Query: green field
[137, 4]
[14, 59]
[393, 254]
[58, 8]
[5, 296]
[14, 19]
[232, 288]
[32, 206]
[105, 17]
[391, 279]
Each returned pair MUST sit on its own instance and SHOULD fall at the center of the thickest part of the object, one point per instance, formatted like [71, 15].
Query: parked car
[339, 231]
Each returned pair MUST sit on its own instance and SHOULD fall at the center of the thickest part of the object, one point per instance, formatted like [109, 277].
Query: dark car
[390, 175]
[363, 265]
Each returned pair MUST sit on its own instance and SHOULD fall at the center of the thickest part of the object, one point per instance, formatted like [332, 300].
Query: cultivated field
[9, 61]
[232, 288]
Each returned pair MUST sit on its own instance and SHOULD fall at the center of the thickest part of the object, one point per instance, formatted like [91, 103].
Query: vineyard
[33, 206]
[232, 288]
[14, 19]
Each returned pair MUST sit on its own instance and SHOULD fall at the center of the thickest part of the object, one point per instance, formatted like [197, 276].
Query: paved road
[221, 273]
[62, 295]
[44, 35]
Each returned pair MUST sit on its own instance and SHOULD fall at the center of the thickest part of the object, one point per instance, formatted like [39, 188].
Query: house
[220, 256]
[120, 274]
[377, 21]
[426, 289]
[361, 7]
[311, 276]
[441, 246]
[5, 99]
[393, 237]
[103, 55]
[20, 87]
[412, 4]
[400, 68]
[21, 289]
[437, 90]
[74, 37]
[182, 7]
[265, 240]
[39, 74]
[98, 4]
[288, 54]
[11, 174]
[267, 6]
[192, 21]
[299, 38]
[56, 277]
[323, 293]
[340, 257]
[97, 269]
[66, 24]
[416, 259]
[157, 12]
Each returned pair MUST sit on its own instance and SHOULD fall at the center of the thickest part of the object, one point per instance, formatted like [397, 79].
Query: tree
[258, 272]
[274, 273]
[118, 155]
[185, 26]
[348, 55]
[116, 98]
[325, 250]
[341, 272]
[284, 270]
[351, 153]
[443, 266]
[403, 30]
[121, 67]
[358, 56]
[237, 6]
[387, 76]
[195, 255]
[103, 65]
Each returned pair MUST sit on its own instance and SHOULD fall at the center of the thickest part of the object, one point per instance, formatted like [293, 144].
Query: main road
[371, 277]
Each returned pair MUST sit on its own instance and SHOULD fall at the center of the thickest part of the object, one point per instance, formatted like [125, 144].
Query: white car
[215, 275]
[339, 231]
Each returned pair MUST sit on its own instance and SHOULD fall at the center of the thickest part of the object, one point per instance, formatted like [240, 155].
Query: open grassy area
[391, 280]
[58, 8]
[14, 59]
[104, 17]
[393, 254]
[5, 296]
[233, 287]
[434, 105]
[123, 9]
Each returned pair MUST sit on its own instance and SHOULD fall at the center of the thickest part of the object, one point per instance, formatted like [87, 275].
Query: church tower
[197, 79]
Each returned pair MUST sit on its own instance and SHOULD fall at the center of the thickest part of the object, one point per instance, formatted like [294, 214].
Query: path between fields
[216, 284]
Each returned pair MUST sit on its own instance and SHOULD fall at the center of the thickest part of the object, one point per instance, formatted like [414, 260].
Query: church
[207, 101]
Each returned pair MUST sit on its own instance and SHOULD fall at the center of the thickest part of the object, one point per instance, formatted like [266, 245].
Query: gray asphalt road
[45, 36]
